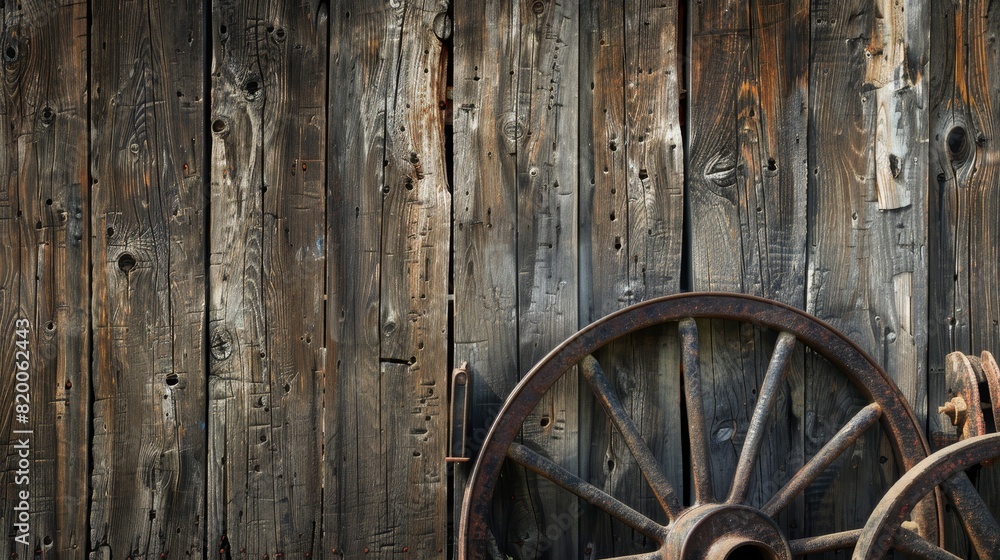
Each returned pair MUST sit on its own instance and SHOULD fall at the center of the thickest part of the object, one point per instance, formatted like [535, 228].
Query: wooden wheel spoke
[701, 468]
[982, 528]
[824, 543]
[562, 477]
[848, 434]
[762, 412]
[644, 458]
[910, 543]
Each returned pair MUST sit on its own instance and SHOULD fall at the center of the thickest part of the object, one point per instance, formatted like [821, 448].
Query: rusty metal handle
[460, 385]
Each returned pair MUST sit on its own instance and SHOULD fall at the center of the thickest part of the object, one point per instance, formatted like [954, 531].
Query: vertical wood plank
[964, 119]
[867, 271]
[44, 277]
[547, 252]
[631, 222]
[358, 85]
[747, 180]
[485, 213]
[516, 251]
[749, 90]
[267, 277]
[415, 266]
[147, 99]
[964, 204]
[389, 219]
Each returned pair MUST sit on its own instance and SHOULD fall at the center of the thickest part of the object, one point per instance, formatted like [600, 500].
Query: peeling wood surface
[252, 240]
[867, 262]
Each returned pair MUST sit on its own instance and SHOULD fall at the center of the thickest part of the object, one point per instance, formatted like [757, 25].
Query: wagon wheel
[708, 528]
[945, 469]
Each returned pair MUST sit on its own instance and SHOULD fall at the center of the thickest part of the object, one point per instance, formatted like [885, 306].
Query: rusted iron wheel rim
[888, 408]
[944, 469]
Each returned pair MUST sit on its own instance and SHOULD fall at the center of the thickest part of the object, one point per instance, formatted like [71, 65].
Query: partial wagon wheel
[708, 528]
[945, 469]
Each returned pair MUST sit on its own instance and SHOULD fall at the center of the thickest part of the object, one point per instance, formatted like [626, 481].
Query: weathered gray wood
[631, 160]
[867, 271]
[358, 84]
[389, 218]
[485, 213]
[267, 277]
[747, 181]
[547, 252]
[964, 204]
[516, 251]
[147, 102]
[964, 303]
[415, 272]
[44, 276]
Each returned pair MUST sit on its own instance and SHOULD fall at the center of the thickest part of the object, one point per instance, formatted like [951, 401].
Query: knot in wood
[126, 262]
[442, 26]
[221, 344]
[513, 130]
[720, 170]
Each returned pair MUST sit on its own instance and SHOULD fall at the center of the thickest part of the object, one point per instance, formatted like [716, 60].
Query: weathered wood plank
[631, 228]
[485, 212]
[267, 277]
[547, 251]
[964, 119]
[148, 479]
[516, 230]
[389, 218]
[415, 267]
[867, 271]
[747, 171]
[964, 204]
[747, 181]
[358, 84]
[44, 278]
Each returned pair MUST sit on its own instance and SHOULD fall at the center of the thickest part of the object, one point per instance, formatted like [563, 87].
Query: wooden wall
[246, 242]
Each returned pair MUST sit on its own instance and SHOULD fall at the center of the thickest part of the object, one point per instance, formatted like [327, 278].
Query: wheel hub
[726, 532]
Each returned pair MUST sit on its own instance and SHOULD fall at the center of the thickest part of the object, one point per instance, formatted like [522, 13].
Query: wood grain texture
[964, 170]
[267, 277]
[631, 222]
[44, 274]
[964, 310]
[389, 229]
[547, 253]
[485, 133]
[867, 272]
[516, 235]
[747, 203]
[148, 308]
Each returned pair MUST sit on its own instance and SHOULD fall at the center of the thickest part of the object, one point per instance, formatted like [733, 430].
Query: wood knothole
[958, 146]
[126, 262]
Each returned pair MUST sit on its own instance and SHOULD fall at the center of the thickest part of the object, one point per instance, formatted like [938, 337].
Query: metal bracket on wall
[461, 383]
